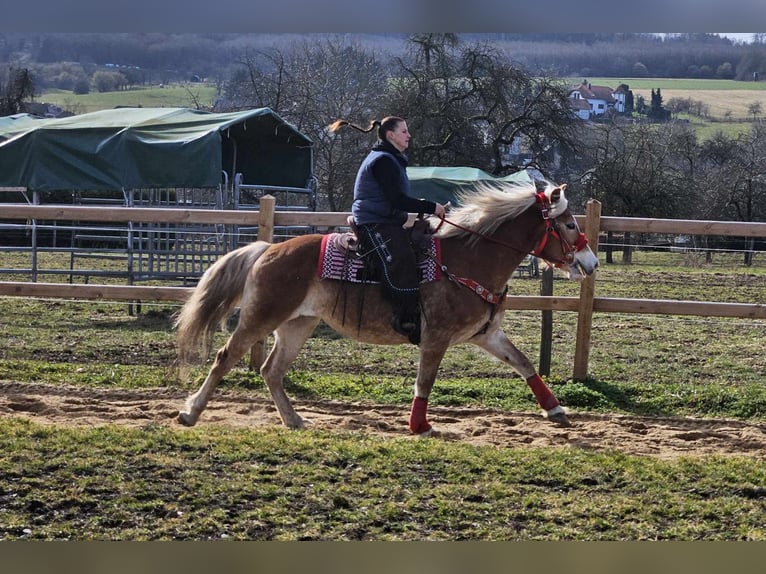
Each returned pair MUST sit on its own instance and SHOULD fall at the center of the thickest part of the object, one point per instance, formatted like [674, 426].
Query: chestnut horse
[278, 290]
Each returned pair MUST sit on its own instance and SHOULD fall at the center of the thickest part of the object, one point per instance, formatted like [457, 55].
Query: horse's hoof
[429, 433]
[296, 424]
[186, 419]
[558, 415]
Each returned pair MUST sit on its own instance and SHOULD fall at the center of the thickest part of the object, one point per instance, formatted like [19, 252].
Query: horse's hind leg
[225, 359]
[288, 341]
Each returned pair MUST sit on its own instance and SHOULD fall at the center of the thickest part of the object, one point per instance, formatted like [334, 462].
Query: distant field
[678, 84]
[182, 96]
[720, 96]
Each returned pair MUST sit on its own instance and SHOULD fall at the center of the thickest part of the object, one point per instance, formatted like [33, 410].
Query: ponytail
[337, 124]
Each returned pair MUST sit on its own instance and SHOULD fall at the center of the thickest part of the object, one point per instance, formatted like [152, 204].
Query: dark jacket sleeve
[387, 174]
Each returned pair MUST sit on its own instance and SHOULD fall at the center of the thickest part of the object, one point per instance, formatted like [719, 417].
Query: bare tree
[471, 106]
[735, 178]
[643, 171]
[311, 83]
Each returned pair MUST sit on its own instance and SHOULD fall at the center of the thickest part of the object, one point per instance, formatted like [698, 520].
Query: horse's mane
[487, 205]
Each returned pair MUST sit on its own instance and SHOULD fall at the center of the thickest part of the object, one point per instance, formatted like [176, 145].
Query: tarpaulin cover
[441, 184]
[140, 148]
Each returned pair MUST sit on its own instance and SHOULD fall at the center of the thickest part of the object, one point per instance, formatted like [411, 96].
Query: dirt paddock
[661, 437]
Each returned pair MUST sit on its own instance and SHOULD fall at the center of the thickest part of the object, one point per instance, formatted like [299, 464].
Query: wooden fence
[267, 218]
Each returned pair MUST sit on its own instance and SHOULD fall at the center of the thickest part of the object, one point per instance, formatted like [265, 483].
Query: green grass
[213, 482]
[677, 84]
[184, 96]
[158, 483]
[638, 364]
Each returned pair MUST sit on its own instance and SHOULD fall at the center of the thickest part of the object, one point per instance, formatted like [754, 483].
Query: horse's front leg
[497, 344]
[429, 365]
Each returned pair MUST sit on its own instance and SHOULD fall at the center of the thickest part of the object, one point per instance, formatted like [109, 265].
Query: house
[621, 97]
[581, 107]
[598, 98]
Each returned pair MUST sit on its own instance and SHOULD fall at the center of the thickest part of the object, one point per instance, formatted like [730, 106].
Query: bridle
[551, 230]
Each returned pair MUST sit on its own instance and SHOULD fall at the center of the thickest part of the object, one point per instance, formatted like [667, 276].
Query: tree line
[157, 57]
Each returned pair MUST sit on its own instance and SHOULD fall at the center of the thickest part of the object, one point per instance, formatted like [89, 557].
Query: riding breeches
[389, 250]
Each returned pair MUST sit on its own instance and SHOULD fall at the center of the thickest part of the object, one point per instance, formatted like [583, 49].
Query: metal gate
[134, 252]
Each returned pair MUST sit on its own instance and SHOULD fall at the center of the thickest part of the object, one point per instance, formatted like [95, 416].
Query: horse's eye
[571, 226]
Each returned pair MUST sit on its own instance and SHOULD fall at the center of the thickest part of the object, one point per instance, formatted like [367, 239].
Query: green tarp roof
[139, 148]
[443, 183]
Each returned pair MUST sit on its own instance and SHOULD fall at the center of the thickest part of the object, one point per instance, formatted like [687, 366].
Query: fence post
[587, 292]
[546, 329]
[265, 233]
[266, 218]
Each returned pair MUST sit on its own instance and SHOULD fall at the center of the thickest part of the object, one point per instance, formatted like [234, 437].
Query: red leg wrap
[418, 422]
[543, 394]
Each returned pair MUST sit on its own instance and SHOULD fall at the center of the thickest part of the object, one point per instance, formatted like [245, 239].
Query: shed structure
[152, 157]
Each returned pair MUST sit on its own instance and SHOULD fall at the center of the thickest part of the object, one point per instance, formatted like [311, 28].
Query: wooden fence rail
[266, 219]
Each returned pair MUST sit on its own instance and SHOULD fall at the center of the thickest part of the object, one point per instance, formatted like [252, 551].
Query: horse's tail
[217, 293]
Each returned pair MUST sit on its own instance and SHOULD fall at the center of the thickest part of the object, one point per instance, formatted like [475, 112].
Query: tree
[642, 171]
[106, 81]
[81, 86]
[725, 71]
[471, 106]
[754, 109]
[657, 111]
[639, 70]
[16, 87]
[733, 172]
[311, 83]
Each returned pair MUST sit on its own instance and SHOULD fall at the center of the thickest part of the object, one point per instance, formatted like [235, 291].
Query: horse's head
[563, 245]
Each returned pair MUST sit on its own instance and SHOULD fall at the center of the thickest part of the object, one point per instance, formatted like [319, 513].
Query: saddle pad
[335, 262]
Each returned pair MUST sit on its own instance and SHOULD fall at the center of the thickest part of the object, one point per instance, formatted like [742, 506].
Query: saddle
[339, 257]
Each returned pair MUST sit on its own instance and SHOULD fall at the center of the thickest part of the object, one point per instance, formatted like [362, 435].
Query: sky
[403, 16]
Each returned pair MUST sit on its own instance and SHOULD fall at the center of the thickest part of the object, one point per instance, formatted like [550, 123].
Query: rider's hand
[440, 211]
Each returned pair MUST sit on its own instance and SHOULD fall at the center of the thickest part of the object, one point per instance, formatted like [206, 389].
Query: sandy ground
[662, 437]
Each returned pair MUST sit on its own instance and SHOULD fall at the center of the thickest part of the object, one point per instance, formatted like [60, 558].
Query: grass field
[185, 96]
[158, 481]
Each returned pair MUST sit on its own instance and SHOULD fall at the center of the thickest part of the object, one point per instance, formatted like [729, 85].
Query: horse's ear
[558, 193]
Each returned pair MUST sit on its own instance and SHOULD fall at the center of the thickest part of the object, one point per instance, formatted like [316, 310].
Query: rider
[380, 210]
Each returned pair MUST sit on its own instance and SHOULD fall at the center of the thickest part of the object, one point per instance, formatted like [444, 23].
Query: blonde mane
[486, 206]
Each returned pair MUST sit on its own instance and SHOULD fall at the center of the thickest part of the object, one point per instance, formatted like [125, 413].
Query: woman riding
[380, 210]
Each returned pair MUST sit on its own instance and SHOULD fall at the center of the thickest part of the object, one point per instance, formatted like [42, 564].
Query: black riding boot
[391, 253]
[406, 319]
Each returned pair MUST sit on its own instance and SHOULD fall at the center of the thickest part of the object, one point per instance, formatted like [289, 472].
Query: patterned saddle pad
[336, 261]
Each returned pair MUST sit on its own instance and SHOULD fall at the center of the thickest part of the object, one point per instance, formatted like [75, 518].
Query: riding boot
[406, 318]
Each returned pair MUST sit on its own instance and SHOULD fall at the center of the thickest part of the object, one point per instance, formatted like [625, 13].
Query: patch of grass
[158, 483]
[170, 96]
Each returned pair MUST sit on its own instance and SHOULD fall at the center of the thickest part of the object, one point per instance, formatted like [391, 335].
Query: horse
[278, 290]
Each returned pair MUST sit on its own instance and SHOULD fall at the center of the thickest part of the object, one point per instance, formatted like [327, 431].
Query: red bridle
[551, 229]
